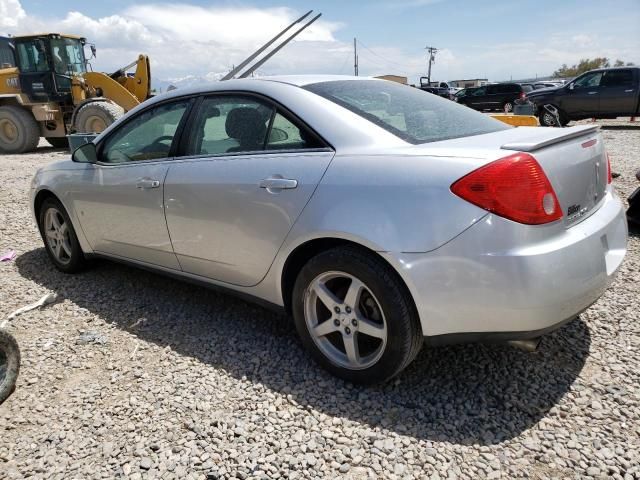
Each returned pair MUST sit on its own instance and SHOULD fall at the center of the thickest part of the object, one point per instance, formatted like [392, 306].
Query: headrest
[243, 122]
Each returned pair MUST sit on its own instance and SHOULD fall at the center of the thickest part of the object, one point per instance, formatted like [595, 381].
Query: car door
[249, 170]
[583, 95]
[478, 98]
[120, 201]
[618, 92]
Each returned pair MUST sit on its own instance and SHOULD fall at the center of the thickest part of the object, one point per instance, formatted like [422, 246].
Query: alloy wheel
[56, 233]
[549, 120]
[345, 320]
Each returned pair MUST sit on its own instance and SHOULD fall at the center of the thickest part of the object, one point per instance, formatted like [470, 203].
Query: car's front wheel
[355, 316]
[548, 120]
[59, 237]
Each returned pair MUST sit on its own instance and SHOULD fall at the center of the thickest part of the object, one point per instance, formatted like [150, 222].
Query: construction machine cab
[47, 64]
[7, 57]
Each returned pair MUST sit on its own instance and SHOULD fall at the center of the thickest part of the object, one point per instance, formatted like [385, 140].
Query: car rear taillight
[514, 187]
[609, 176]
[523, 95]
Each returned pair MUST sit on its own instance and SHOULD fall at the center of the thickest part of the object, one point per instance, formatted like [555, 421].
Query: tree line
[587, 64]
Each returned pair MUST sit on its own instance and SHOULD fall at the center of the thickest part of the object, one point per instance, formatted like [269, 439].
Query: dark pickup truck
[602, 93]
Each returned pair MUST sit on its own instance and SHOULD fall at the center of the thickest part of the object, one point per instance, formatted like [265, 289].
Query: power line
[380, 56]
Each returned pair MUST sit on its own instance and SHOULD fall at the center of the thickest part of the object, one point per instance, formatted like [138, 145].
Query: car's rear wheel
[507, 107]
[59, 237]
[355, 316]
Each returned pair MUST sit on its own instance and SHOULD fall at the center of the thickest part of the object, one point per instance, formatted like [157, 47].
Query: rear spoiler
[551, 136]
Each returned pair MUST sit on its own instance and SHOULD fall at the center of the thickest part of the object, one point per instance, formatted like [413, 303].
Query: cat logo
[12, 82]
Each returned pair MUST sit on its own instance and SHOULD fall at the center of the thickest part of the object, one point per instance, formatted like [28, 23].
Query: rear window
[409, 113]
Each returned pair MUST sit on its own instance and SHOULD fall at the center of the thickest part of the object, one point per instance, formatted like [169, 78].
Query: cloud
[11, 14]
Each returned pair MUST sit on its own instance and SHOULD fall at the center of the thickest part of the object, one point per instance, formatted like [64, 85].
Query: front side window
[406, 112]
[147, 136]
[589, 80]
[479, 91]
[32, 56]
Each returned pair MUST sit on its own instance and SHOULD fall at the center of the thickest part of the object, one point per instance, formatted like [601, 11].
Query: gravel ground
[130, 374]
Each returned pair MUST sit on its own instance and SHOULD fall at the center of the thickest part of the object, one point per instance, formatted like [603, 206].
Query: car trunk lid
[574, 160]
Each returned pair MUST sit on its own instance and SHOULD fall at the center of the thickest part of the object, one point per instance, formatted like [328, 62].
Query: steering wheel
[153, 147]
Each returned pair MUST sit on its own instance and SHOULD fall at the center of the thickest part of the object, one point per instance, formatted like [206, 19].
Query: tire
[19, 131]
[94, 117]
[384, 310]
[9, 364]
[507, 107]
[58, 142]
[68, 257]
[547, 120]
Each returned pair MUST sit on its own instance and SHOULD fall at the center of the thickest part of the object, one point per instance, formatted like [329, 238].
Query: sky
[198, 40]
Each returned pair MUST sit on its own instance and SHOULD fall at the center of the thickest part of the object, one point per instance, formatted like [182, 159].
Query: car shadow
[464, 394]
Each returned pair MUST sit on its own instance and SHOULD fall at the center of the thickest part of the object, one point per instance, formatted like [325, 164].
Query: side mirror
[86, 153]
[571, 86]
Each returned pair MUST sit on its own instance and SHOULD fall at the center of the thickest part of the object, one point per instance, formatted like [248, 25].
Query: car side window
[228, 124]
[147, 136]
[285, 135]
[479, 91]
[618, 78]
[589, 80]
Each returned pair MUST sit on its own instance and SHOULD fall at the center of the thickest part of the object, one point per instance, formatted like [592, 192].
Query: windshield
[407, 112]
[68, 56]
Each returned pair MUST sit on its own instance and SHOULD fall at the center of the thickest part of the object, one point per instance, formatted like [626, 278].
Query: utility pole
[355, 57]
[432, 59]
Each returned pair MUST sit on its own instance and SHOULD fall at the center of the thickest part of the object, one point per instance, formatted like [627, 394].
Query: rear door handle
[274, 183]
[630, 90]
[146, 183]
[592, 93]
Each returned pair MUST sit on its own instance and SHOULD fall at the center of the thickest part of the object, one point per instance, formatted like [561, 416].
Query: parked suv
[602, 93]
[499, 96]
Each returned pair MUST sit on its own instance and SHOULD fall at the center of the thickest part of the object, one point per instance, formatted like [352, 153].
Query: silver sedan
[380, 216]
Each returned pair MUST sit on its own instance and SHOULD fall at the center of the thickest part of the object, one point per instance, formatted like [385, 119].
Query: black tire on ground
[58, 142]
[94, 117]
[404, 334]
[75, 262]
[19, 131]
[9, 364]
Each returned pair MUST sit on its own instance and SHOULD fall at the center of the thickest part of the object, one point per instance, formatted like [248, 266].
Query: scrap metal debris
[96, 338]
[45, 300]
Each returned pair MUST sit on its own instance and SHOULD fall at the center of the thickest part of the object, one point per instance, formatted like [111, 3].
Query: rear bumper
[503, 279]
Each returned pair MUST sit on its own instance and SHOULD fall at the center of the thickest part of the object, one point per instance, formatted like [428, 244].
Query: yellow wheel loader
[46, 91]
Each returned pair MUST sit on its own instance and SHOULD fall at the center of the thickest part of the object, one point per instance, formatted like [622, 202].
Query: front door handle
[146, 183]
[592, 93]
[274, 183]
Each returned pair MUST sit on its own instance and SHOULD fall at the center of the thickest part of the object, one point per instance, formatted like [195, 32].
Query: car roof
[244, 83]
